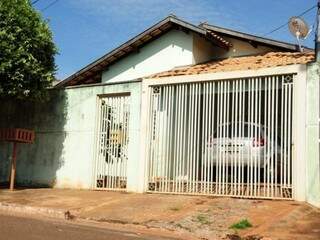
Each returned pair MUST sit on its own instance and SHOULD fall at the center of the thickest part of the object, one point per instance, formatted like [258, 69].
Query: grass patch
[242, 224]
[203, 219]
[179, 225]
[176, 208]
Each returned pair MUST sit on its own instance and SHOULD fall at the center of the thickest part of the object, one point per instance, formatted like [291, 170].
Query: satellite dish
[299, 29]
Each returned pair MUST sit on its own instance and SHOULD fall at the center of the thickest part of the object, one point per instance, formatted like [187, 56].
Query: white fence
[112, 143]
[228, 137]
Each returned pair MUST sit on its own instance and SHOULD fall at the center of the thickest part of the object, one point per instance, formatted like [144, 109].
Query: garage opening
[228, 138]
[112, 143]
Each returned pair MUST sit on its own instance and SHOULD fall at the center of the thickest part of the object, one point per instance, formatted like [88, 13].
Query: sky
[85, 30]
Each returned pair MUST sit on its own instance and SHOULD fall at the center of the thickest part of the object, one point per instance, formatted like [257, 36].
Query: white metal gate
[228, 137]
[112, 143]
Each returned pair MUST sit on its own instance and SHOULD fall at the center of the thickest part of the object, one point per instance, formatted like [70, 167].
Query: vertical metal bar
[114, 131]
[285, 133]
[110, 147]
[238, 169]
[184, 129]
[224, 135]
[119, 163]
[198, 133]
[217, 139]
[289, 133]
[272, 136]
[102, 145]
[208, 147]
[117, 182]
[256, 134]
[117, 145]
[193, 126]
[250, 136]
[242, 134]
[227, 138]
[152, 136]
[232, 138]
[269, 137]
[282, 137]
[220, 137]
[127, 136]
[98, 155]
[236, 135]
[176, 162]
[265, 137]
[180, 137]
[124, 142]
[168, 138]
[189, 139]
[276, 134]
[106, 142]
[162, 152]
[171, 139]
[155, 141]
[203, 135]
[213, 128]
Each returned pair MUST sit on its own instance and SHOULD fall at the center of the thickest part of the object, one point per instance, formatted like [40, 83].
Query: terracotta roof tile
[271, 59]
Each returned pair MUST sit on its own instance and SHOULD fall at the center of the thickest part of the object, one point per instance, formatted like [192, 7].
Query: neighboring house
[180, 109]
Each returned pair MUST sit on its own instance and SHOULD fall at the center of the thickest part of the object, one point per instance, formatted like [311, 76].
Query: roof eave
[169, 19]
[262, 40]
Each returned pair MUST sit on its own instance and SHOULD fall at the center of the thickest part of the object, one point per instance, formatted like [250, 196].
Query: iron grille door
[112, 143]
[227, 138]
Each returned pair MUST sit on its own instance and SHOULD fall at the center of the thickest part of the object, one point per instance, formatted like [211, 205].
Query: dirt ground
[193, 217]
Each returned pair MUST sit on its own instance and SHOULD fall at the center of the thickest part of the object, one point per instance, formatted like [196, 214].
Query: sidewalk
[182, 216]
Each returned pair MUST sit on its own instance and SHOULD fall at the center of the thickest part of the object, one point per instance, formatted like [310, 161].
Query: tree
[26, 52]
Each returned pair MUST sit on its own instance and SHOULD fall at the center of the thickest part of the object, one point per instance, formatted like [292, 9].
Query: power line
[285, 24]
[35, 1]
[50, 5]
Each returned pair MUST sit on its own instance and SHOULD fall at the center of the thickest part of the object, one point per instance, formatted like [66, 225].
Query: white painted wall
[240, 48]
[174, 49]
[170, 50]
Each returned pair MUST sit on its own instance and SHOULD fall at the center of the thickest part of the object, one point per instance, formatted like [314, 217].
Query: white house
[181, 109]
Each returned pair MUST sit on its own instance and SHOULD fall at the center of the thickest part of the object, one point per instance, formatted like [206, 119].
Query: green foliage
[242, 224]
[176, 208]
[203, 219]
[26, 52]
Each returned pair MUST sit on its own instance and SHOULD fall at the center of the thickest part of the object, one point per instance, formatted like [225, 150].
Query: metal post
[318, 34]
[13, 166]
[318, 61]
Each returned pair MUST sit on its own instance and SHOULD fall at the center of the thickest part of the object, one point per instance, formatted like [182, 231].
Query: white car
[241, 144]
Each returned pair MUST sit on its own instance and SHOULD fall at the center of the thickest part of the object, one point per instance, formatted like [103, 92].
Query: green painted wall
[62, 155]
[312, 145]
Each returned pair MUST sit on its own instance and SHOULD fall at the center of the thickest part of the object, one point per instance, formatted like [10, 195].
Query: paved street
[16, 228]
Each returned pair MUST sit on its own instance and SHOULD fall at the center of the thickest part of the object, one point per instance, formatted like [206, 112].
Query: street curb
[49, 212]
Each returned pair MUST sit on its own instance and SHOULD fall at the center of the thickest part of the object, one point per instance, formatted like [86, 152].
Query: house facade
[179, 109]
